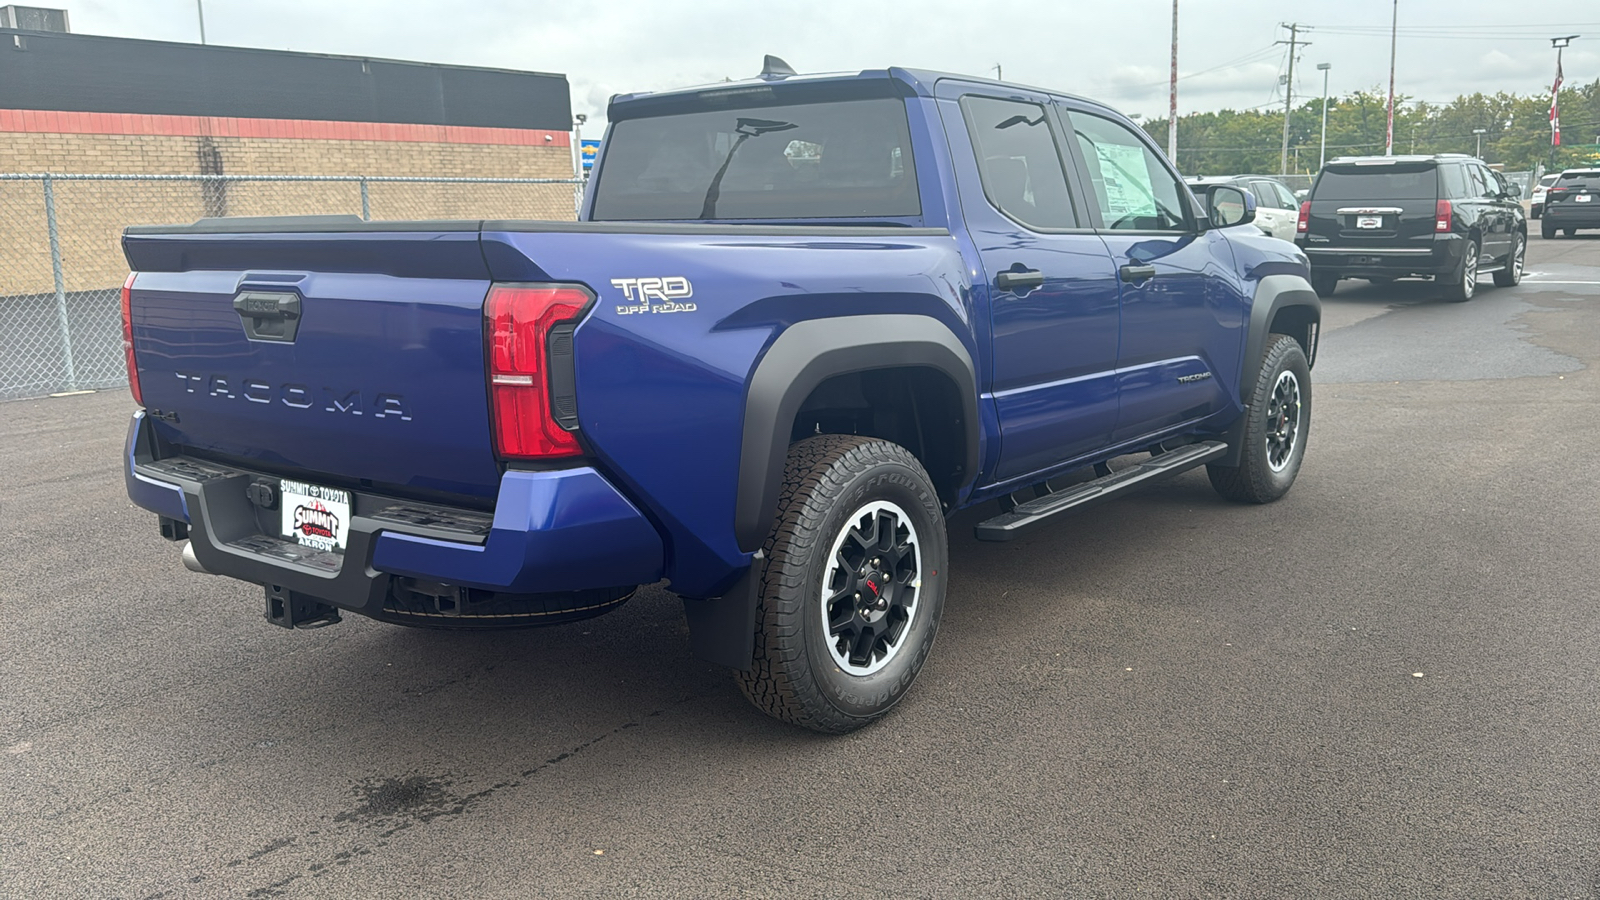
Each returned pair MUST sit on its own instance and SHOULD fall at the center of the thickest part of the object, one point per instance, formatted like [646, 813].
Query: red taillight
[1441, 216]
[518, 321]
[127, 339]
[1304, 224]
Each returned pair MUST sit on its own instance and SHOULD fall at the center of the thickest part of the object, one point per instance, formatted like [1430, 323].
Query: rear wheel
[853, 585]
[1511, 275]
[1464, 282]
[1570, 232]
[1324, 283]
[1547, 230]
[1276, 430]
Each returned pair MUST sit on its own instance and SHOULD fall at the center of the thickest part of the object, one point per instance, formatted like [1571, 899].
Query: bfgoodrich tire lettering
[1276, 431]
[837, 489]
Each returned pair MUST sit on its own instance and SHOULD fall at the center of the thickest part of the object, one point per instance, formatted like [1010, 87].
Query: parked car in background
[1573, 202]
[1536, 205]
[1447, 217]
[1275, 203]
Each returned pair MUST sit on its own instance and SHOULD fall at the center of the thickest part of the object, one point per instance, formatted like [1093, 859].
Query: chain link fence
[62, 268]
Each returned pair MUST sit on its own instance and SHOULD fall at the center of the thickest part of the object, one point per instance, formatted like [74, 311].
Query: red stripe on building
[58, 122]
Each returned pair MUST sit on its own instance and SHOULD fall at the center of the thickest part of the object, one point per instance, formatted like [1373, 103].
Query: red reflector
[127, 339]
[518, 321]
[1441, 216]
[1305, 217]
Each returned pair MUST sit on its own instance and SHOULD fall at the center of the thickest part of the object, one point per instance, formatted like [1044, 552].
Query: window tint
[1285, 197]
[1132, 187]
[1379, 181]
[848, 159]
[1589, 178]
[1270, 193]
[1018, 161]
[1488, 187]
[1453, 179]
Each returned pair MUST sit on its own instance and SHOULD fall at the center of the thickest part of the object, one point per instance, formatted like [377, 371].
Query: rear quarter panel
[661, 387]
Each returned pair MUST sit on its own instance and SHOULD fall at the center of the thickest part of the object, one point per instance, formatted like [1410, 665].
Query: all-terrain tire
[834, 486]
[1275, 432]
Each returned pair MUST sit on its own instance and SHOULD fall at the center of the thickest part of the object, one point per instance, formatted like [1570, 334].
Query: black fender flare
[812, 351]
[1273, 294]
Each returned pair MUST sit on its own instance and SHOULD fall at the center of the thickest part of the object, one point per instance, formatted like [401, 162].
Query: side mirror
[1227, 205]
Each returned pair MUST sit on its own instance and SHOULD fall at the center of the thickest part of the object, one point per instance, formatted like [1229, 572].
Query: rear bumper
[551, 531]
[1574, 215]
[1441, 257]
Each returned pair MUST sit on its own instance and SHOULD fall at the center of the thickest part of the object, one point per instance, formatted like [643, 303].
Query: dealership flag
[1555, 111]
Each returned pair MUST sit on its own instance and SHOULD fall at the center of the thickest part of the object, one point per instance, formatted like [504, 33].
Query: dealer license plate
[1583, 198]
[315, 516]
[1369, 221]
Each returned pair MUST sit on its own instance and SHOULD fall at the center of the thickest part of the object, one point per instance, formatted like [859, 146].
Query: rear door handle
[1133, 274]
[1011, 280]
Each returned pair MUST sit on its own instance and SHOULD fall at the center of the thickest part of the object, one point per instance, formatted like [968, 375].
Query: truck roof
[920, 83]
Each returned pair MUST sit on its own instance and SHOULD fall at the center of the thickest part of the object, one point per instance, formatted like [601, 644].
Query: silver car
[1276, 209]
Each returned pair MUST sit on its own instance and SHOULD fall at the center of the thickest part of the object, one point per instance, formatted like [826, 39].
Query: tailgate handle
[268, 316]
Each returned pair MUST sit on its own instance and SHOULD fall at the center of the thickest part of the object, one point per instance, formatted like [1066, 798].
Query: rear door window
[1019, 161]
[839, 160]
[1386, 181]
[1453, 181]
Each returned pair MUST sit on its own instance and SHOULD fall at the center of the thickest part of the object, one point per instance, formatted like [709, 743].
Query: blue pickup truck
[800, 321]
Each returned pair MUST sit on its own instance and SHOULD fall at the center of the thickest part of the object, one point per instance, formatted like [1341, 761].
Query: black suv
[1573, 202]
[1448, 217]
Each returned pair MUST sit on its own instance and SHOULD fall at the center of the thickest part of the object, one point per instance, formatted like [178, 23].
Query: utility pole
[1394, 28]
[1480, 132]
[997, 75]
[1322, 158]
[200, 7]
[1288, 91]
[1172, 97]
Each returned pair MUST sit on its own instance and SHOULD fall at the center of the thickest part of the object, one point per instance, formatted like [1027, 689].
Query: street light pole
[1480, 132]
[1322, 158]
[200, 7]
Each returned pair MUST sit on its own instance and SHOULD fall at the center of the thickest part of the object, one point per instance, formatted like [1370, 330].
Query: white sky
[1116, 52]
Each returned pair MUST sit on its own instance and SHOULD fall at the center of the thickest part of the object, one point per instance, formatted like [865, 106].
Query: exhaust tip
[191, 562]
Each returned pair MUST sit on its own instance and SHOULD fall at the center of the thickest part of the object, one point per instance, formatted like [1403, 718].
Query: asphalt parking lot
[1384, 685]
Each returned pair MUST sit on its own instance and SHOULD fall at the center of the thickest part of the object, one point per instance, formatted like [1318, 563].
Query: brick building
[209, 122]
[82, 103]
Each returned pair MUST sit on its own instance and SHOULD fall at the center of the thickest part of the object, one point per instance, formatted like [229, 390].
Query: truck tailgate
[354, 358]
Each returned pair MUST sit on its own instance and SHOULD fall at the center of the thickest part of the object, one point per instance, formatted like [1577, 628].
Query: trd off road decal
[654, 295]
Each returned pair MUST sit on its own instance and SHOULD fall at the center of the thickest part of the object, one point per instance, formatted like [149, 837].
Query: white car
[1536, 205]
[1276, 209]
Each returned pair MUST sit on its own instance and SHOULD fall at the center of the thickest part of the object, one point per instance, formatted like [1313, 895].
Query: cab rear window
[841, 160]
[1394, 181]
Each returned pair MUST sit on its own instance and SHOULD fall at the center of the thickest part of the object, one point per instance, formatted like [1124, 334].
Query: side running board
[1023, 516]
